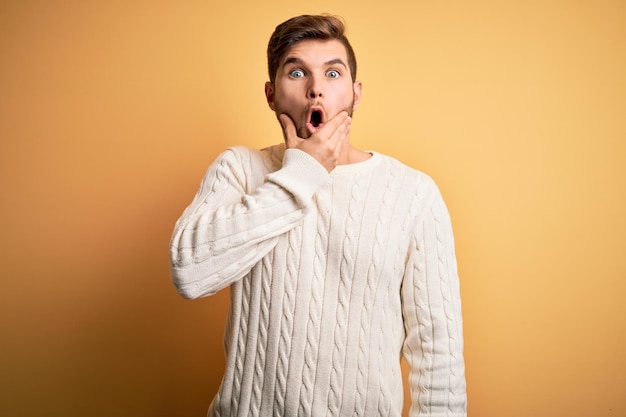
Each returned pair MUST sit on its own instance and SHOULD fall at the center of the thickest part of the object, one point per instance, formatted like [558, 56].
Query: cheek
[284, 100]
[346, 98]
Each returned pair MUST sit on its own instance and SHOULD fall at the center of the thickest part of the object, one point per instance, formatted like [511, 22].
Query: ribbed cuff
[301, 175]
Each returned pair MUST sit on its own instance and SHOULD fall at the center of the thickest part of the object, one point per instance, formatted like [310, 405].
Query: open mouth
[316, 118]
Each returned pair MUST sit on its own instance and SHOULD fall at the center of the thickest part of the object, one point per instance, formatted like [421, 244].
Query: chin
[304, 133]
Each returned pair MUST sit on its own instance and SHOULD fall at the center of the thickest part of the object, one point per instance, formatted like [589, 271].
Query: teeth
[316, 118]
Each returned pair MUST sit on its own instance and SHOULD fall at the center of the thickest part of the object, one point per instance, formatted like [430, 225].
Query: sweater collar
[358, 167]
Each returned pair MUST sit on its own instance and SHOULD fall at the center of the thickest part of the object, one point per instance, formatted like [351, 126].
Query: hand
[326, 145]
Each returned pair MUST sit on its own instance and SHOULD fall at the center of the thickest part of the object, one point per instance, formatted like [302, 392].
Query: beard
[300, 119]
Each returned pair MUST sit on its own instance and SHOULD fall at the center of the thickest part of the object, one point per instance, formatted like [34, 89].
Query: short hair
[306, 27]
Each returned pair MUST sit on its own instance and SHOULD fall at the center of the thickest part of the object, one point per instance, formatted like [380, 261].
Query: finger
[337, 123]
[341, 128]
[289, 130]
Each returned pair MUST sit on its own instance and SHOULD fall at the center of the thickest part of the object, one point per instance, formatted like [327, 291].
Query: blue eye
[332, 74]
[296, 74]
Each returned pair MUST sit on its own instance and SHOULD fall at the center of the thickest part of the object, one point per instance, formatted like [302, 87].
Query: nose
[315, 89]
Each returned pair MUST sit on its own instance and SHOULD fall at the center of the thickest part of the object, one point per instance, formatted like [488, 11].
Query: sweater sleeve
[432, 315]
[228, 227]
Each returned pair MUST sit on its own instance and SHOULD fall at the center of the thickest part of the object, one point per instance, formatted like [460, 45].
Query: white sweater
[333, 277]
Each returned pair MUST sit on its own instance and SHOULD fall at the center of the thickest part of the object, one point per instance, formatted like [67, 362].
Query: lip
[310, 112]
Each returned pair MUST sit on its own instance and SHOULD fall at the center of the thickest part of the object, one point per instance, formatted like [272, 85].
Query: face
[313, 84]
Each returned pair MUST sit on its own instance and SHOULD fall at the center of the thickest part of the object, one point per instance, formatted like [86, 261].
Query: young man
[339, 261]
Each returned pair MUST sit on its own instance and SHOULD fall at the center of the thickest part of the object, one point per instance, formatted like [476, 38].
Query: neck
[352, 155]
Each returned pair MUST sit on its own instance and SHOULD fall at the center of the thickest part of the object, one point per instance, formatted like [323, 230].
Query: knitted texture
[333, 277]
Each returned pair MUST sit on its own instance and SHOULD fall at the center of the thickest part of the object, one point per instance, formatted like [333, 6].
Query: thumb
[289, 131]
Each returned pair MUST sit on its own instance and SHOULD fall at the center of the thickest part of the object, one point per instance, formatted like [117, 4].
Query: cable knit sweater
[333, 277]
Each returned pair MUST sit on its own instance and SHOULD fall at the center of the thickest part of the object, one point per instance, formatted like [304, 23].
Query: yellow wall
[111, 112]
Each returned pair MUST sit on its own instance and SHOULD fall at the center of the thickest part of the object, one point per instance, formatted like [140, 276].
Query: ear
[269, 94]
[357, 88]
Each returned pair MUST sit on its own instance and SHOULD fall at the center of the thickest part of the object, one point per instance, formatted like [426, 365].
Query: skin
[314, 75]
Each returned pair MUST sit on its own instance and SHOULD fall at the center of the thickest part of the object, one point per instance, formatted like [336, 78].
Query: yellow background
[111, 111]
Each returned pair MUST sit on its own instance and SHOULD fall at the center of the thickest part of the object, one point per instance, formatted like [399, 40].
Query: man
[339, 260]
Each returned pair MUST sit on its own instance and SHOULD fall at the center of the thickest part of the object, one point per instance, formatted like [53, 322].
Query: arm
[432, 315]
[229, 228]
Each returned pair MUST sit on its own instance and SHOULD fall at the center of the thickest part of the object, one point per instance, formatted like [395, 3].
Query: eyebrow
[298, 61]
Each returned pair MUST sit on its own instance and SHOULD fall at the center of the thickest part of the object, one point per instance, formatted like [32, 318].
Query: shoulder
[267, 159]
[409, 174]
[425, 201]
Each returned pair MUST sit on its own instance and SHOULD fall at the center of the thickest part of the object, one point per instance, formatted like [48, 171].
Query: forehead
[314, 51]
